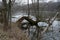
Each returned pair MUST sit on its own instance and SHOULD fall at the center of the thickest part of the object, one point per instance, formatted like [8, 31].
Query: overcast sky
[25, 1]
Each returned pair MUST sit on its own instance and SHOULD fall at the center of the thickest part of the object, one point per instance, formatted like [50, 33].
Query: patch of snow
[17, 17]
[24, 21]
[42, 24]
[33, 18]
[55, 23]
[25, 25]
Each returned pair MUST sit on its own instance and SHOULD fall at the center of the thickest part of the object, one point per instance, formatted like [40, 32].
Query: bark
[5, 15]
[9, 14]
[28, 19]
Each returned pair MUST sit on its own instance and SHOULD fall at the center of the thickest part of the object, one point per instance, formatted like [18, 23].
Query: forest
[29, 19]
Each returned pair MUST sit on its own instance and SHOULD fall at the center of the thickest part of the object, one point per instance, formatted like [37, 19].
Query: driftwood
[50, 23]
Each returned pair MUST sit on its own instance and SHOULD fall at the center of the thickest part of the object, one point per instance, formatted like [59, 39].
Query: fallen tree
[39, 29]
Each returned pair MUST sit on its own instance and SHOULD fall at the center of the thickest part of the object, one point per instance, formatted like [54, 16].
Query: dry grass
[14, 34]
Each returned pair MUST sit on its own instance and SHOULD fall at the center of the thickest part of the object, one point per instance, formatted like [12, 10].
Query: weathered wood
[28, 19]
[50, 23]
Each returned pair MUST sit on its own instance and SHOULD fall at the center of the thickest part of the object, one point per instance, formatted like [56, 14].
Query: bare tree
[6, 14]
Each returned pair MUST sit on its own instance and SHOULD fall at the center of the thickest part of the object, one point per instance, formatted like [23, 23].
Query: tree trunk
[5, 15]
[9, 14]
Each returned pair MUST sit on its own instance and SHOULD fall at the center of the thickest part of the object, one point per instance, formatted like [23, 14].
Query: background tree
[7, 14]
[5, 19]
